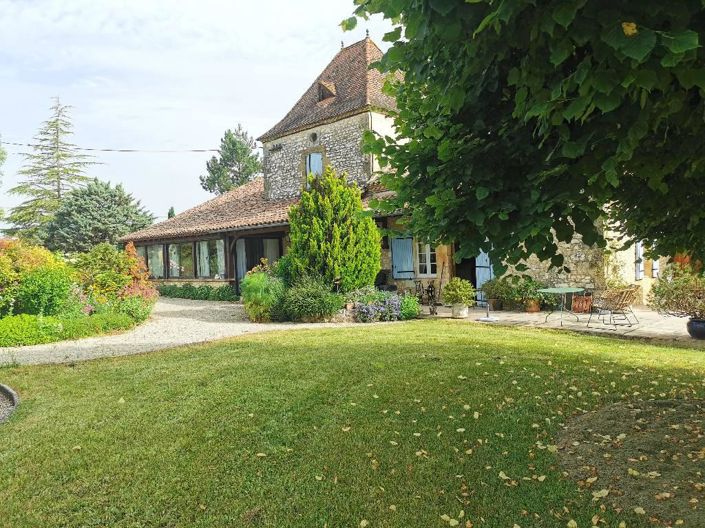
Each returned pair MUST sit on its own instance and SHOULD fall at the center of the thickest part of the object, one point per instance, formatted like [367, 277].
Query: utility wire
[156, 151]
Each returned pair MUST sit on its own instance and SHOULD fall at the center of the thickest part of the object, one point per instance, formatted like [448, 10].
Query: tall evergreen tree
[171, 213]
[94, 214]
[53, 168]
[236, 163]
[331, 236]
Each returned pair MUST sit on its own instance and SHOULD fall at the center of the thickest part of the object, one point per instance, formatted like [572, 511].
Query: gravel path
[174, 322]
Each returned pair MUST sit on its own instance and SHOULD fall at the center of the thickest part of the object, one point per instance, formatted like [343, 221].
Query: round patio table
[562, 292]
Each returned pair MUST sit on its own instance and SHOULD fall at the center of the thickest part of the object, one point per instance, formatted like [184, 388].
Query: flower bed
[45, 298]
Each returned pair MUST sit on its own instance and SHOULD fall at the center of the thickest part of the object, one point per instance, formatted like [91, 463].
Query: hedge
[25, 329]
[198, 293]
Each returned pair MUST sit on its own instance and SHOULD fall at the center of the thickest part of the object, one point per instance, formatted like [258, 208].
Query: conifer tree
[331, 236]
[92, 215]
[53, 168]
[171, 213]
[236, 164]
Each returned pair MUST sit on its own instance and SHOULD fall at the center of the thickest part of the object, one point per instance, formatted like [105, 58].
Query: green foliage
[199, 293]
[524, 289]
[171, 213]
[105, 271]
[17, 261]
[331, 237]
[25, 329]
[309, 300]
[680, 291]
[237, 162]
[44, 290]
[262, 296]
[283, 268]
[498, 288]
[459, 291]
[51, 170]
[137, 308]
[519, 121]
[410, 307]
[92, 215]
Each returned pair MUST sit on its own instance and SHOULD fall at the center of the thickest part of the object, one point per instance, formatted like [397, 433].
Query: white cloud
[158, 74]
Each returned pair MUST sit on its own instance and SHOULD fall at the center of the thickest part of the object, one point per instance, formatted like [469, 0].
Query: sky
[160, 75]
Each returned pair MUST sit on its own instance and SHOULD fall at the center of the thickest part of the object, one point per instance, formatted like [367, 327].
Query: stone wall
[585, 263]
[341, 145]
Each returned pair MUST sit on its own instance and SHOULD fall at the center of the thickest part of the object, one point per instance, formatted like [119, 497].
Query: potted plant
[496, 291]
[460, 294]
[681, 292]
[525, 293]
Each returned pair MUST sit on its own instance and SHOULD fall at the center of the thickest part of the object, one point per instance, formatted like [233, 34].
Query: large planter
[696, 328]
[460, 311]
[532, 305]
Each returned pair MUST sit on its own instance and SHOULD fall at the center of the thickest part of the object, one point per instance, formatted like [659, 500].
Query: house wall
[384, 126]
[341, 143]
[623, 265]
[586, 266]
[444, 263]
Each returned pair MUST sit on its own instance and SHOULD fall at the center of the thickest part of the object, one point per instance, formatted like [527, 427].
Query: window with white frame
[425, 260]
[639, 260]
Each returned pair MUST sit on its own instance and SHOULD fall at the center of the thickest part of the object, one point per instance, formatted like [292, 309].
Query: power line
[148, 151]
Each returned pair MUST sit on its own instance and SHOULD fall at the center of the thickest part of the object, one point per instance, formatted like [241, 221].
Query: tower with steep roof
[326, 124]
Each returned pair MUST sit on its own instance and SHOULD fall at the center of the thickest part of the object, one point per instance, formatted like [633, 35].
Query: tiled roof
[241, 208]
[356, 88]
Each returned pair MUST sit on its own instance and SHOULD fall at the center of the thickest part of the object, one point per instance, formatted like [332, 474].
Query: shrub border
[12, 395]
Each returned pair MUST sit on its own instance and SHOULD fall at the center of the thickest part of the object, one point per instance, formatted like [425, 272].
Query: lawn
[405, 424]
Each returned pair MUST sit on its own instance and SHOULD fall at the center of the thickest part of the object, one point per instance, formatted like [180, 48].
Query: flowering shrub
[679, 292]
[370, 305]
[107, 289]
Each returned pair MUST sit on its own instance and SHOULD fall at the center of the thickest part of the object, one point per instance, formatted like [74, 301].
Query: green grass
[352, 422]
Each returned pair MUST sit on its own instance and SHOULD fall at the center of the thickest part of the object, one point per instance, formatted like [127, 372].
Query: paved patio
[652, 325]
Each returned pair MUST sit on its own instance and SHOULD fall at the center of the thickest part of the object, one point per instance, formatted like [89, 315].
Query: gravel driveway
[174, 322]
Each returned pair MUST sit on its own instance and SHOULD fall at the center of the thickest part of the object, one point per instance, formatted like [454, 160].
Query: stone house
[218, 241]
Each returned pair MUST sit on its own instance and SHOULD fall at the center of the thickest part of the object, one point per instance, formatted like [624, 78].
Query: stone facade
[340, 143]
[586, 265]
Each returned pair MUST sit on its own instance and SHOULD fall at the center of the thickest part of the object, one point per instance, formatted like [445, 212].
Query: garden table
[562, 292]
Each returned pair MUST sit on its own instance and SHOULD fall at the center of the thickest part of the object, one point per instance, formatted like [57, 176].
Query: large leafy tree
[95, 214]
[521, 123]
[237, 162]
[53, 168]
[331, 236]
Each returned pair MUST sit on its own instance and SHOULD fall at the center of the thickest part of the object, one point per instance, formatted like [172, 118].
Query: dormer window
[326, 90]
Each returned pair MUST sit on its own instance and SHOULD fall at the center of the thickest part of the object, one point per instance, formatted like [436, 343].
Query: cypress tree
[331, 236]
[53, 168]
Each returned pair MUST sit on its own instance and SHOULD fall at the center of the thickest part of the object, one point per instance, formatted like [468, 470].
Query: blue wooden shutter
[403, 258]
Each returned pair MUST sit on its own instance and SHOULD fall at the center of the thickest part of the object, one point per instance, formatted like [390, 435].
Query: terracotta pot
[460, 311]
[581, 304]
[532, 305]
[696, 328]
